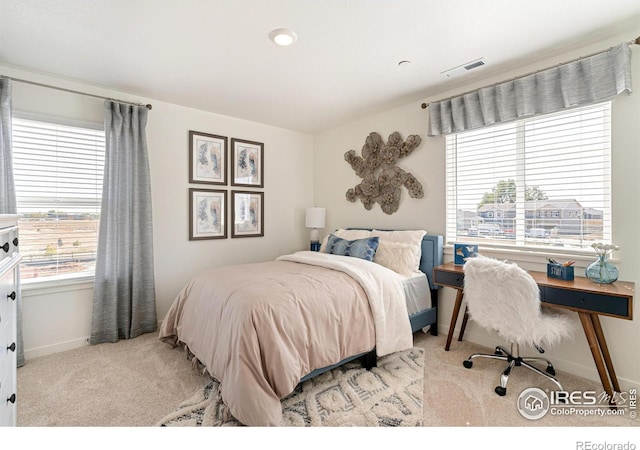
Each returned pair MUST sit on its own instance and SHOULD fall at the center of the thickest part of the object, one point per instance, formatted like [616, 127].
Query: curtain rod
[148, 106]
[635, 41]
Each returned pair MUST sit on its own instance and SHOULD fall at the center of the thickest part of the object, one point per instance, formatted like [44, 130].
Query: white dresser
[9, 279]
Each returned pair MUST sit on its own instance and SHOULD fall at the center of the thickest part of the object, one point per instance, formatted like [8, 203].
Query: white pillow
[402, 236]
[400, 257]
[349, 235]
[400, 250]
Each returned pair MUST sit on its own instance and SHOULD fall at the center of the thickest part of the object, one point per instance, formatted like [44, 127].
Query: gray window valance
[592, 79]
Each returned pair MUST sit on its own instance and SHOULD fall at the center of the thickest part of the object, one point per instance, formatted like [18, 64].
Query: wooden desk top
[617, 288]
[580, 294]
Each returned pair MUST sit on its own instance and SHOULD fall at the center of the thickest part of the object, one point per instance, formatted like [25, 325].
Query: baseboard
[55, 348]
[588, 372]
[59, 347]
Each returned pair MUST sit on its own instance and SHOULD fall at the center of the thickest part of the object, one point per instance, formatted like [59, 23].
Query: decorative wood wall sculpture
[382, 180]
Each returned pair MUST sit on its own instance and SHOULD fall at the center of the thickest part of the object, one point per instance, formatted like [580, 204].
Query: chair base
[514, 359]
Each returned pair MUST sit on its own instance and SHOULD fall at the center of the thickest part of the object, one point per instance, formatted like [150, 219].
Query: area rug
[389, 395]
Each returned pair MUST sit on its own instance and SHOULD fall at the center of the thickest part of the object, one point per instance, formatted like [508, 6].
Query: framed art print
[207, 214]
[207, 158]
[247, 163]
[247, 209]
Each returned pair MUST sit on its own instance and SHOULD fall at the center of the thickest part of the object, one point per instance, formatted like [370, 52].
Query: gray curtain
[592, 79]
[7, 188]
[124, 304]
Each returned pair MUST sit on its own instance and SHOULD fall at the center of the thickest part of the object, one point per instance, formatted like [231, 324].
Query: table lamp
[314, 219]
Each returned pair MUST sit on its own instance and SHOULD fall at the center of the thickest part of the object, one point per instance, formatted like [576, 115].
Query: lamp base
[315, 246]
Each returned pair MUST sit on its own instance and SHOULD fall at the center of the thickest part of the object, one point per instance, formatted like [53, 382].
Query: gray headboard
[432, 255]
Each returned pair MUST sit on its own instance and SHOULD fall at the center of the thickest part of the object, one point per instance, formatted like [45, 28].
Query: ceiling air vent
[458, 70]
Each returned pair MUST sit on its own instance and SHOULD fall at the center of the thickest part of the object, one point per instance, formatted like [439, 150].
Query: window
[548, 177]
[58, 173]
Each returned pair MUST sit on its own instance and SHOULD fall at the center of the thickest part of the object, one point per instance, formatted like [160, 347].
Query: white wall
[58, 318]
[333, 176]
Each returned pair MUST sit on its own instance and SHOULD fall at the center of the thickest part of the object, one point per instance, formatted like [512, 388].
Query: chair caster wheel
[468, 364]
[497, 351]
[501, 391]
[550, 370]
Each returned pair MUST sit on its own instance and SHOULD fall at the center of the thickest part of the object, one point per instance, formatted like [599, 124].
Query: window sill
[33, 288]
[534, 259]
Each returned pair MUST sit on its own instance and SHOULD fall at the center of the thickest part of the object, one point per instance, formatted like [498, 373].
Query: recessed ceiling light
[283, 36]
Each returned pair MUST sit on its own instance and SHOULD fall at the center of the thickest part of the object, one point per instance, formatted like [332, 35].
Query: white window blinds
[58, 175]
[538, 182]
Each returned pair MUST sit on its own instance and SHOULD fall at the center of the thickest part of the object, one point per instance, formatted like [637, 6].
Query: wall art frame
[207, 158]
[247, 209]
[207, 214]
[247, 163]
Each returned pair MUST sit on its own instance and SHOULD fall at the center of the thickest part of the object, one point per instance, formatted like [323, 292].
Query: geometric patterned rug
[389, 395]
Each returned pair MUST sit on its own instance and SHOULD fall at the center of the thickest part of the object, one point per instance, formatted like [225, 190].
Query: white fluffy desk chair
[503, 297]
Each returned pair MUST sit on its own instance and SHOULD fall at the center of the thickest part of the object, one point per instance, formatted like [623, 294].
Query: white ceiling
[215, 55]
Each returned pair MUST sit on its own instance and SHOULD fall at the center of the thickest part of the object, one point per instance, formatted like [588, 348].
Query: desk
[590, 300]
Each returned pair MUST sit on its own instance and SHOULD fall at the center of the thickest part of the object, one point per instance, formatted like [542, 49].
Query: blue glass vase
[602, 271]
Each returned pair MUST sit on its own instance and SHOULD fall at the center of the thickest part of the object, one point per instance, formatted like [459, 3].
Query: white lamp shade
[314, 217]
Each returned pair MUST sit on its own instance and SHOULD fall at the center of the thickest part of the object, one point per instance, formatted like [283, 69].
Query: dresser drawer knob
[12, 296]
[12, 399]
[5, 247]
[15, 242]
[12, 347]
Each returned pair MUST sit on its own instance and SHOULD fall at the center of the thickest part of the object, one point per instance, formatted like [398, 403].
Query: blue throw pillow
[358, 248]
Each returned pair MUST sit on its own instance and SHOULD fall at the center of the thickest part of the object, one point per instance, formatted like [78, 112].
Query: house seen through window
[58, 173]
[538, 182]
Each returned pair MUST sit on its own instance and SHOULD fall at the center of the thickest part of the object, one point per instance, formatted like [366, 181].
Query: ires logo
[587, 398]
[534, 403]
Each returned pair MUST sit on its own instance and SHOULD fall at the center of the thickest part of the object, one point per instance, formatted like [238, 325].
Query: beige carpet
[130, 383]
[137, 382]
[466, 397]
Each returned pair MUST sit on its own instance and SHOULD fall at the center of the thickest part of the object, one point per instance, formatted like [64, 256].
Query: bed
[263, 328]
